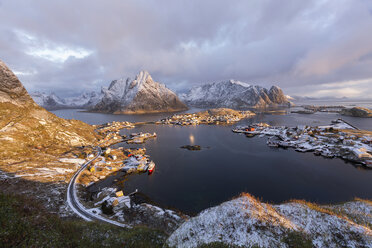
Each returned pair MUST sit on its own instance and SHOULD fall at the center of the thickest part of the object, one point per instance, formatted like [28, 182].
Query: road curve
[73, 200]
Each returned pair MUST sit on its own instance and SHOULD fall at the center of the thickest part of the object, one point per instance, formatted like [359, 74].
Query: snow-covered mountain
[52, 101]
[85, 100]
[290, 98]
[48, 101]
[141, 95]
[234, 94]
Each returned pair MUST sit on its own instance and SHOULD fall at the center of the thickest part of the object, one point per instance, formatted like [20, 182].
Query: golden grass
[265, 213]
[319, 208]
[369, 202]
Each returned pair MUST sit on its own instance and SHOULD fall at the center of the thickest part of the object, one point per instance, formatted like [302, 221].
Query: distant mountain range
[234, 94]
[144, 95]
[310, 98]
[52, 101]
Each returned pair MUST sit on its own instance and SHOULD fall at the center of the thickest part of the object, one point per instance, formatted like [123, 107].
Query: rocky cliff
[11, 90]
[234, 94]
[24, 124]
[141, 95]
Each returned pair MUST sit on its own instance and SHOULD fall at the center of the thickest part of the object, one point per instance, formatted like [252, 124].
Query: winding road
[73, 200]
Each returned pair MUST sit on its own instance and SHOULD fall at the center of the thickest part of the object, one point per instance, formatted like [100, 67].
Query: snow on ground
[50, 172]
[326, 229]
[359, 211]
[45, 172]
[77, 161]
[127, 211]
[243, 222]
[246, 222]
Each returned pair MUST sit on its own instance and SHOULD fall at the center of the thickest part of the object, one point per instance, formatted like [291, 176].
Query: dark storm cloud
[306, 47]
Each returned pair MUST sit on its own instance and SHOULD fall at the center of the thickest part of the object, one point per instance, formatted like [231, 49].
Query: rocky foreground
[247, 222]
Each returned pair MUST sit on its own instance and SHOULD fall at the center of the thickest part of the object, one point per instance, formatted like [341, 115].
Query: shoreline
[128, 176]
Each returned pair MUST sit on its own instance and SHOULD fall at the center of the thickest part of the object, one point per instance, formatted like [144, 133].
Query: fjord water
[229, 164]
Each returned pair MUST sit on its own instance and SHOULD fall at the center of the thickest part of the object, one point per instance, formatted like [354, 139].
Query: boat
[151, 167]
[238, 130]
[368, 163]
[271, 143]
[249, 135]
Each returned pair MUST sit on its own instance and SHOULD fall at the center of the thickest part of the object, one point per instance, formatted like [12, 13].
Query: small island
[192, 147]
[357, 112]
[217, 116]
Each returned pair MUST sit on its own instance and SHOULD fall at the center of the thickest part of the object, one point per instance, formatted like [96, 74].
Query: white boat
[151, 167]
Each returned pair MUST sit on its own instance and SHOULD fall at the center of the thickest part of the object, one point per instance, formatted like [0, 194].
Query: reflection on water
[192, 139]
[192, 181]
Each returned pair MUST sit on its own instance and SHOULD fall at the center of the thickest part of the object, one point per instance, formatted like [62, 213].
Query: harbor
[223, 158]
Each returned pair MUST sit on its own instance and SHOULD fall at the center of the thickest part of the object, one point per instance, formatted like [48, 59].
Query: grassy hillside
[25, 223]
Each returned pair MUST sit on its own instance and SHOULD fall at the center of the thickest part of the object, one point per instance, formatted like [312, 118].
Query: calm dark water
[229, 164]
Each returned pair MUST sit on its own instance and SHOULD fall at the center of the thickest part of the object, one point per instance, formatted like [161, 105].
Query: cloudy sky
[312, 48]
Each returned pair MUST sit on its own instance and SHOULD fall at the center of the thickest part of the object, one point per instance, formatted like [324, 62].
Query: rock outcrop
[247, 222]
[138, 96]
[357, 112]
[11, 89]
[24, 124]
[234, 94]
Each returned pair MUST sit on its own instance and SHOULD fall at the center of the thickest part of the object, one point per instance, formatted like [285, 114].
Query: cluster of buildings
[199, 118]
[119, 159]
[114, 126]
[139, 163]
[139, 138]
[111, 132]
[339, 139]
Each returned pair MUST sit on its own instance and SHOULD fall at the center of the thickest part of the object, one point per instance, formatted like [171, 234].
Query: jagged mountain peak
[143, 77]
[141, 95]
[239, 83]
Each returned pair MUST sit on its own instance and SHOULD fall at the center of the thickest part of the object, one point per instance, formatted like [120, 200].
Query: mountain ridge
[141, 95]
[144, 95]
[53, 102]
[234, 94]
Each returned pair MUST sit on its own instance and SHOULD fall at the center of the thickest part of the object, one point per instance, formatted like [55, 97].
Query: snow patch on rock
[246, 222]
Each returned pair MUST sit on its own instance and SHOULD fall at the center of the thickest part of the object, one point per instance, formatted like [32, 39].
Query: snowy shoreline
[339, 139]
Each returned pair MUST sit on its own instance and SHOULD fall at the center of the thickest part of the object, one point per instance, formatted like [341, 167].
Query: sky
[310, 48]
